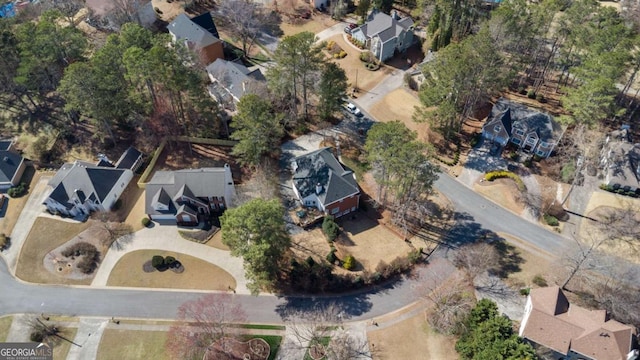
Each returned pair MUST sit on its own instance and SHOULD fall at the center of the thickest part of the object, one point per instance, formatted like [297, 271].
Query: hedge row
[492, 175]
[618, 190]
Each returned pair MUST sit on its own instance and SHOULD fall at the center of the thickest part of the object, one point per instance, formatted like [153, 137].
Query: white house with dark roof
[620, 161]
[574, 332]
[81, 187]
[230, 81]
[186, 195]
[320, 181]
[12, 165]
[385, 35]
[530, 130]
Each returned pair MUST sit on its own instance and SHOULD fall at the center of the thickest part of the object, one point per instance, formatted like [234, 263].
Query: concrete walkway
[88, 338]
[32, 208]
[166, 238]
[331, 31]
[368, 99]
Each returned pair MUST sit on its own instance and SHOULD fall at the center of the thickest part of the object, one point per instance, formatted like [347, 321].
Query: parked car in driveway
[353, 109]
[350, 28]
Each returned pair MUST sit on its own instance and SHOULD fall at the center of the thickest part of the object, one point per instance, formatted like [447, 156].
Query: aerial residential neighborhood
[243, 179]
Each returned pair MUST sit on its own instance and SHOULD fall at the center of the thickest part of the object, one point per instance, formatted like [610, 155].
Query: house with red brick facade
[321, 181]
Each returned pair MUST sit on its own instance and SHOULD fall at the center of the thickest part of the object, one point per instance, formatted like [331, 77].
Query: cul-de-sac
[319, 179]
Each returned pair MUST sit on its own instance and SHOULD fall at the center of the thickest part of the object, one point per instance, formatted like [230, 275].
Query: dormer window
[519, 132]
[497, 128]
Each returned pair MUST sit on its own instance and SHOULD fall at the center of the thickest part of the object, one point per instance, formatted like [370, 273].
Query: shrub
[4, 241]
[525, 291]
[90, 256]
[567, 172]
[551, 220]
[330, 45]
[17, 191]
[541, 98]
[310, 262]
[342, 54]
[531, 94]
[349, 262]
[157, 261]
[539, 280]
[492, 175]
[415, 256]
[330, 228]
[169, 260]
[145, 221]
[331, 257]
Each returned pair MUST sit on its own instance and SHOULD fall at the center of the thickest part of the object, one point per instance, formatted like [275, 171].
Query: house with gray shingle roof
[230, 81]
[385, 35]
[12, 165]
[197, 38]
[81, 187]
[530, 130]
[574, 332]
[321, 181]
[185, 196]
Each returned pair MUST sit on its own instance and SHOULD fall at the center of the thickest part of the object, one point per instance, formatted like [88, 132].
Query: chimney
[318, 189]
[394, 15]
[244, 87]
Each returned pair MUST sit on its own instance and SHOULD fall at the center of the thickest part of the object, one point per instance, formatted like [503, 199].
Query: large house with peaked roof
[530, 130]
[320, 181]
[81, 187]
[385, 35]
[185, 196]
[620, 161]
[573, 332]
[12, 165]
[230, 81]
[198, 34]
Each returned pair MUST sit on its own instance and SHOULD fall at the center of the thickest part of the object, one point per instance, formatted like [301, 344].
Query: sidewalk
[166, 238]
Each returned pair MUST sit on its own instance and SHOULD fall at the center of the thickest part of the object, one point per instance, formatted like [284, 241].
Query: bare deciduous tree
[68, 8]
[311, 329]
[117, 233]
[476, 258]
[450, 298]
[202, 321]
[244, 19]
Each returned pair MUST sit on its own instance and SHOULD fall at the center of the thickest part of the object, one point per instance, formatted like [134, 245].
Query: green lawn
[5, 325]
[324, 341]
[132, 344]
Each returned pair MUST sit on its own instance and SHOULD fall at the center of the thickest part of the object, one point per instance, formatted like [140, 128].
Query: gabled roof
[529, 119]
[500, 118]
[321, 167]
[92, 181]
[235, 78]
[185, 29]
[556, 324]
[192, 183]
[385, 26]
[205, 21]
[129, 158]
[623, 164]
[10, 162]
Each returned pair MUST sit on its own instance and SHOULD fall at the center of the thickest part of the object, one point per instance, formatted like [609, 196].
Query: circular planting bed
[229, 349]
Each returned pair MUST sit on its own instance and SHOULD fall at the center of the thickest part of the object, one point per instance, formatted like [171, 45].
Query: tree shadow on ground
[510, 258]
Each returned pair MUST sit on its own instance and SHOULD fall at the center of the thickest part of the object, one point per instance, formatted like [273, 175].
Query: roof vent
[5, 159]
[318, 189]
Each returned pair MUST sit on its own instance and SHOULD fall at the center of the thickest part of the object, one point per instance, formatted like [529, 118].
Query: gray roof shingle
[385, 26]
[10, 162]
[321, 167]
[85, 177]
[235, 78]
[185, 29]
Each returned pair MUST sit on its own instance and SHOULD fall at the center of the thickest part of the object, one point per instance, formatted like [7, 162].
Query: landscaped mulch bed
[232, 349]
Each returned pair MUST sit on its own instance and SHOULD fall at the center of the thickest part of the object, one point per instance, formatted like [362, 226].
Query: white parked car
[353, 109]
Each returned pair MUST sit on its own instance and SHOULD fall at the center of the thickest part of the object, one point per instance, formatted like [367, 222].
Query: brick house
[530, 130]
[321, 181]
[187, 196]
[199, 35]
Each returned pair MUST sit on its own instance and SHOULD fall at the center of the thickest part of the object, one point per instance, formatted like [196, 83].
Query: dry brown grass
[5, 325]
[61, 350]
[317, 23]
[132, 344]
[501, 191]
[216, 242]
[14, 206]
[412, 339]
[45, 235]
[399, 105]
[132, 210]
[198, 274]
[351, 64]
[532, 264]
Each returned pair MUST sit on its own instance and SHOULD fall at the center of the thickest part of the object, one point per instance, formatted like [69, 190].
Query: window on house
[497, 128]
[531, 140]
[540, 153]
[335, 210]
[516, 141]
[544, 144]
[519, 132]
